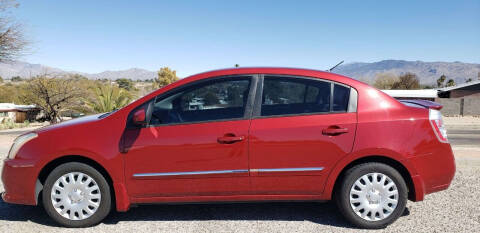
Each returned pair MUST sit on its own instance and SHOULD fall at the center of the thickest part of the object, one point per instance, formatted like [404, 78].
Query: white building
[17, 113]
[426, 94]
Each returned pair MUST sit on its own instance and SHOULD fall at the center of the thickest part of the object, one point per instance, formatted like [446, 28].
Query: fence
[466, 106]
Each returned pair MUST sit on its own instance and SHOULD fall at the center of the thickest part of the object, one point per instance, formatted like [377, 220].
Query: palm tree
[450, 83]
[108, 98]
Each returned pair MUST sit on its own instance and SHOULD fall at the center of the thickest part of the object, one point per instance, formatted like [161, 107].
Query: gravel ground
[453, 210]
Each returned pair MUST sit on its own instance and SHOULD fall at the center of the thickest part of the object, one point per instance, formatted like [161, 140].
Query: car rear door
[196, 143]
[300, 128]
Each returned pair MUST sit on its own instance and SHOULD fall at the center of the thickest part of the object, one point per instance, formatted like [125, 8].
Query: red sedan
[243, 134]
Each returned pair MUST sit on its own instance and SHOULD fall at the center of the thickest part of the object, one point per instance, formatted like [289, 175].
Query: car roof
[276, 71]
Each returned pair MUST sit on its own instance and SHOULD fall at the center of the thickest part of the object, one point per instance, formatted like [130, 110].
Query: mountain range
[428, 72]
[28, 70]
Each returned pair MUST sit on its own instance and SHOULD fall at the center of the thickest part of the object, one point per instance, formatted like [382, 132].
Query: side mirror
[139, 117]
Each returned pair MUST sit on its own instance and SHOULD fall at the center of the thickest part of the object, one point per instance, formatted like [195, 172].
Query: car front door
[195, 142]
[300, 128]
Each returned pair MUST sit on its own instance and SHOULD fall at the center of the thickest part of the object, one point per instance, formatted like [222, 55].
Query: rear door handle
[334, 131]
[230, 138]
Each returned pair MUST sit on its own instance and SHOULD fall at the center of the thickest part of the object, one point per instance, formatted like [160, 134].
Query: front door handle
[334, 131]
[230, 138]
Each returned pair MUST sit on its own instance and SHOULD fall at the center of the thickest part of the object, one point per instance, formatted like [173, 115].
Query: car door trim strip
[229, 171]
[189, 173]
[293, 169]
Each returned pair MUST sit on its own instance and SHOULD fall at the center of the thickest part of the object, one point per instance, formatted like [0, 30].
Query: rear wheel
[76, 195]
[372, 195]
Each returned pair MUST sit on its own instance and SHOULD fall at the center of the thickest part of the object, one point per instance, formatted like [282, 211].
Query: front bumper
[19, 179]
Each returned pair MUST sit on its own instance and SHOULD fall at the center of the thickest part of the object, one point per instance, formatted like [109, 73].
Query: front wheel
[372, 195]
[76, 195]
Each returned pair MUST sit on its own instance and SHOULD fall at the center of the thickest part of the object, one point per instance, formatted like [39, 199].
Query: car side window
[283, 96]
[220, 99]
[341, 96]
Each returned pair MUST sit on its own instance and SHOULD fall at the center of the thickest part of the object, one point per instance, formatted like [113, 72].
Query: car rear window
[282, 96]
[292, 95]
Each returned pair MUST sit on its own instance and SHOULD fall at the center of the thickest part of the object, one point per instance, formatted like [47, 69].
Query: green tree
[16, 79]
[469, 80]
[126, 84]
[10, 93]
[165, 77]
[450, 83]
[237, 65]
[385, 81]
[108, 98]
[78, 77]
[408, 81]
[441, 80]
[52, 95]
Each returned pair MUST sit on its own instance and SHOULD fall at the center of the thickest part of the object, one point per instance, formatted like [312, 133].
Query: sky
[196, 36]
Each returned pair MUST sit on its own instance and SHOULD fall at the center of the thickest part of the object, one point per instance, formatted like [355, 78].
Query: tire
[374, 197]
[86, 201]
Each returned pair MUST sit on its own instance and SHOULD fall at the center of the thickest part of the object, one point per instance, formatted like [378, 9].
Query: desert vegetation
[408, 81]
[58, 96]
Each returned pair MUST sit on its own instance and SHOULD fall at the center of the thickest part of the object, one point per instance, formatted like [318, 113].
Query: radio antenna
[335, 66]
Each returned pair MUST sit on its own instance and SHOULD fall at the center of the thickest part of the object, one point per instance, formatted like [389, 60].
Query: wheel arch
[48, 168]
[397, 165]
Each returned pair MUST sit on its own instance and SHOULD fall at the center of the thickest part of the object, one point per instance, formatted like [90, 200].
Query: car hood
[67, 124]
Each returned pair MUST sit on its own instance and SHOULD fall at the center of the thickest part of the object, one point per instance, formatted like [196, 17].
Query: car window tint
[341, 95]
[218, 100]
[282, 96]
[312, 93]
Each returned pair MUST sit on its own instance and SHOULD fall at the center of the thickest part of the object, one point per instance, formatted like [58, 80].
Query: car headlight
[19, 142]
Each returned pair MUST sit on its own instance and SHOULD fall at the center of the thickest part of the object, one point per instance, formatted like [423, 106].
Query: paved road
[7, 137]
[454, 210]
[464, 137]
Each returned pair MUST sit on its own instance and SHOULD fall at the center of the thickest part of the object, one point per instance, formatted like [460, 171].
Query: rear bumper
[19, 178]
[435, 171]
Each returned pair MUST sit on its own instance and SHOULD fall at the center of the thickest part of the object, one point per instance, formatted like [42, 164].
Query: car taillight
[436, 121]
